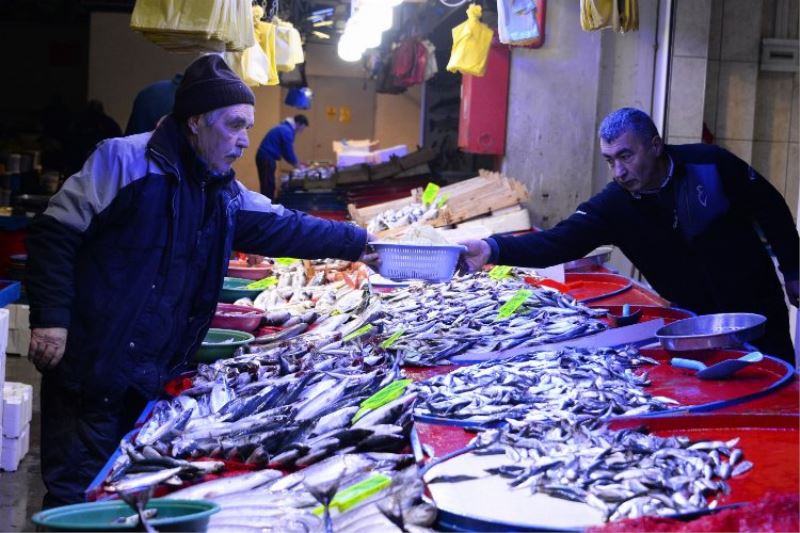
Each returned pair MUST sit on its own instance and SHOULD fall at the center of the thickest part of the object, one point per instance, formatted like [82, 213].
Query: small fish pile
[442, 320]
[624, 473]
[350, 492]
[587, 383]
[407, 215]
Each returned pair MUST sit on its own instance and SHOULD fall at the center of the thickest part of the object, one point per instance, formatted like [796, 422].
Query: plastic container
[240, 269]
[233, 289]
[417, 261]
[173, 515]
[239, 317]
[217, 344]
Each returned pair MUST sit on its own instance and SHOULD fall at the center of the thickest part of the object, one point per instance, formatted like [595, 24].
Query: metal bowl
[711, 332]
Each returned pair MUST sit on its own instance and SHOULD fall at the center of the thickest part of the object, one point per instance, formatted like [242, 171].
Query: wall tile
[683, 140]
[692, 19]
[741, 30]
[769, 159]
[687, 87]
[742, 149]
[715, 29]
[736, 100]
[773, 106]
[793, 177]
[712, 88]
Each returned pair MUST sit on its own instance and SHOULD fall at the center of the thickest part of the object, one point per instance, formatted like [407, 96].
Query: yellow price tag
[430, 193]
[391, 340]
[500, 272]
[357, 333]
[285, 261]
[513, 304]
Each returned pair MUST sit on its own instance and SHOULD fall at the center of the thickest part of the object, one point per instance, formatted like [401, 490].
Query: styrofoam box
[17, 408]
[14, 449]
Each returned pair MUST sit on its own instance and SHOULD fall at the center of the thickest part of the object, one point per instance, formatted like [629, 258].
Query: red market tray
[697, 395]
[649, 312]
[588, 287]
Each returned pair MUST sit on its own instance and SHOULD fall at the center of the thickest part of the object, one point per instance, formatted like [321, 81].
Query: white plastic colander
[400, 261]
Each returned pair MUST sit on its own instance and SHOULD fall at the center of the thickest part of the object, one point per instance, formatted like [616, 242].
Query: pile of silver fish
[405, 216]
[624, 473]
[587, 383]
[269, 415]
[442, 320]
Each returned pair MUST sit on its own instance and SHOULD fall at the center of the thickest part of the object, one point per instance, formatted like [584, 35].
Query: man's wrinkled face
[633, 163]
[220, 136]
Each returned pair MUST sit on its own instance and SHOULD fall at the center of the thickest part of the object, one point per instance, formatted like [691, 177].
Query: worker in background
[278, 144]
[152, 103]
[126, 264]
[90, 127]
[687, 217]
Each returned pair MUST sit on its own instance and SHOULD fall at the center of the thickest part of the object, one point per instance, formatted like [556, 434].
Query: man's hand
[476, 255]
[47, 347]
[369, 256]
[254, 260]
[792, 291]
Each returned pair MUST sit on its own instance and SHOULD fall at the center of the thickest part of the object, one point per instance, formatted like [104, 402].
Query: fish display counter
[347, 409]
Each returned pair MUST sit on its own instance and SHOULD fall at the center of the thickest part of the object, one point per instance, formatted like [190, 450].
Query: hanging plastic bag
[299, 97]
[265, 38]
[431, 65]
[294, 78]
[409, 59]
[471, 42]
[618, 15]
[516, 22]
[288, 46]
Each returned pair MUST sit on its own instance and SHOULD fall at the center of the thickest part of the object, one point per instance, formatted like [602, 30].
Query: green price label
[500, 272]
[390, 392]
[355, 494]
[430, 193]
[513, 304]
[442, 200]
[357, 333]
[263, 283]
[391, 340]
[285, 261]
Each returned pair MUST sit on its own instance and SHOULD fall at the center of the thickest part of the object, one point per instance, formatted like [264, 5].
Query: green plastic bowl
[233, 289]
[214, 347]
[173, 515]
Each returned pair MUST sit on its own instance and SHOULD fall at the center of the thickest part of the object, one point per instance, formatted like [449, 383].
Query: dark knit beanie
[208, 84]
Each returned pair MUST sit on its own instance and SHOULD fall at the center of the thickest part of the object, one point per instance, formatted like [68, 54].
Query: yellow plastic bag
[618, 15]
[195, 25]
[471, 42]
[265, 38]
[288, 46]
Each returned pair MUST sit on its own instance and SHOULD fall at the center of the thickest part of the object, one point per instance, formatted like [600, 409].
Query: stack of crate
[17, 413]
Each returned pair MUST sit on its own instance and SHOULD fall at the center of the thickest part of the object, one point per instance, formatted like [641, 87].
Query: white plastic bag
[288, 46]
[431, 67]
[516, 22]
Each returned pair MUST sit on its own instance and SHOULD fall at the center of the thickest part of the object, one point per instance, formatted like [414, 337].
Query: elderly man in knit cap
[126, 264]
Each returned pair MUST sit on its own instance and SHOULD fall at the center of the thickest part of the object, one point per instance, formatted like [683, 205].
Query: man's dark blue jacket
[695, 240]
[130, 257]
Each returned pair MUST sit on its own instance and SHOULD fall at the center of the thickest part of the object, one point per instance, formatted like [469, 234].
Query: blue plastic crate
[9, 292]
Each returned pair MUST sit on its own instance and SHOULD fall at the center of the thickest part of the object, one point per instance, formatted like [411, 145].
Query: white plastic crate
[417, 261]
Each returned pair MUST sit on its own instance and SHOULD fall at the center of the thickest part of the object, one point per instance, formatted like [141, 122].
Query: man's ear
[193, 123]
[657, 146]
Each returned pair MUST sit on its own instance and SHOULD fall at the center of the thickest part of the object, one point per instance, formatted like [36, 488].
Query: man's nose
[243, 141]
[619, 169]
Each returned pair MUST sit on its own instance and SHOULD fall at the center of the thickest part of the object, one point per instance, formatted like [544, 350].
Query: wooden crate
[487, 193]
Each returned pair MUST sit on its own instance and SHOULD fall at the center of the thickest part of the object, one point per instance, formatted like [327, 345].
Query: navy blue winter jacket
[130, 257]
[278, 143]
[695, 240]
